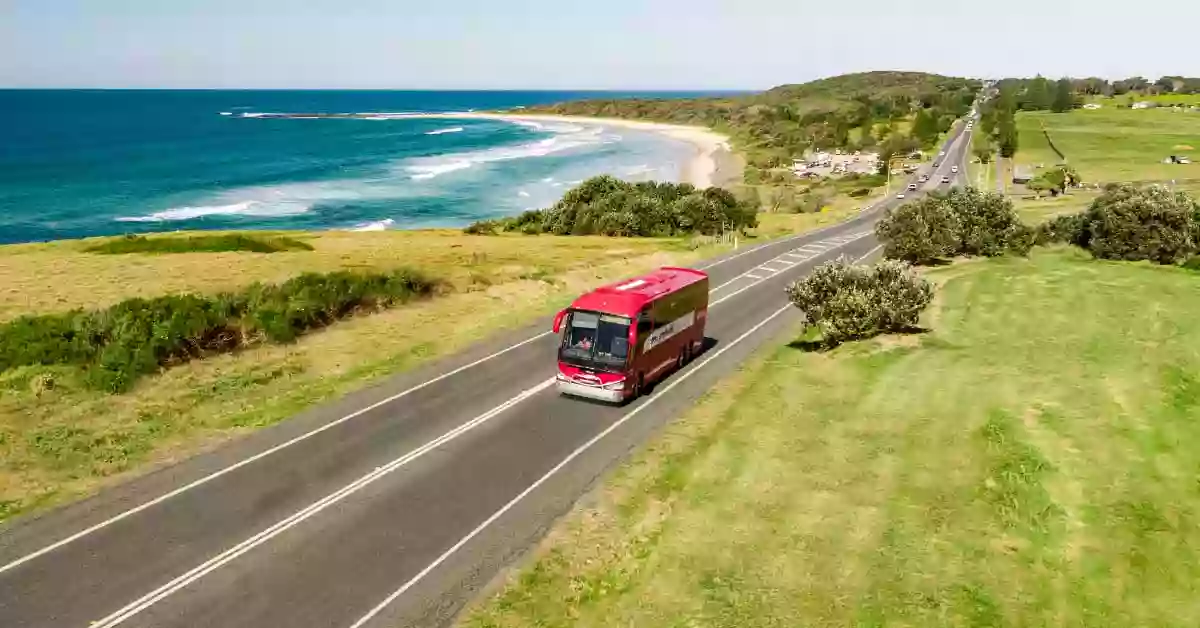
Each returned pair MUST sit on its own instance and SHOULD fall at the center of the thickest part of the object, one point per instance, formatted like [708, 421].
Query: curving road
[394, 505]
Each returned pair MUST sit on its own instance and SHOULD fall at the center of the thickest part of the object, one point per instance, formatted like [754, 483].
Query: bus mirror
[558, 318]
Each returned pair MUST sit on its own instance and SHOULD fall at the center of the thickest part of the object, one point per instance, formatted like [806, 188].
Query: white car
[900, 195]
[954, 169]
[945, 179]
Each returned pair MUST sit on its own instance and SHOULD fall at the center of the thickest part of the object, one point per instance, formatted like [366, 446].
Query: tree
[1006, 138]
[925, 127]
[1166, 84]
[983, 152]
[1150, 223]
[919, 232]
[1064, 100]
[1038, 96]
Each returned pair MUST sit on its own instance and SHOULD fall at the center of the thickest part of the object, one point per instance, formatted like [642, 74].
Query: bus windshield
[594, 340]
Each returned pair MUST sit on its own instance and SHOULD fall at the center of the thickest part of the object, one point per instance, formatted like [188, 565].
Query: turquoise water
[77, 163]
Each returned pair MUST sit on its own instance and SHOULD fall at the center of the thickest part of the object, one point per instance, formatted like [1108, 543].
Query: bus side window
[645, 324]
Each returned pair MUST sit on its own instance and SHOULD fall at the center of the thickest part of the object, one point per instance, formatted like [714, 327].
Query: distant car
[954, 169]
[936, 164]
[900, 195]
[912, 187]
[945, 179]
[924, 178]
[942, 154]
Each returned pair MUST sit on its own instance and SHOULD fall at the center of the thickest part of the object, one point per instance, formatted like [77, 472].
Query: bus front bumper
[599, 393]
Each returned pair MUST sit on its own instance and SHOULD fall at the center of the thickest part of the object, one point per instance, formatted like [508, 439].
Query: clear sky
[607, 44]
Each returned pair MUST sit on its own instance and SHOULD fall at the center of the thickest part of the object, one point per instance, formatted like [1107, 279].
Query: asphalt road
[395, 505]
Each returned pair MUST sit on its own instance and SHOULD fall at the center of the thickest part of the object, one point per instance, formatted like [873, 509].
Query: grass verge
[1030, 461]
[199, 243]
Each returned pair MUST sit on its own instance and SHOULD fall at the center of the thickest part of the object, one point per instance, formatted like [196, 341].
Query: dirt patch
[1182, 147]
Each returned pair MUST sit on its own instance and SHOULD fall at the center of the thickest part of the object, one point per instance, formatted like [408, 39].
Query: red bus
[620, 338]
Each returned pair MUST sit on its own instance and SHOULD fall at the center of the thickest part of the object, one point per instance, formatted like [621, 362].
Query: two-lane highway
[390, 507]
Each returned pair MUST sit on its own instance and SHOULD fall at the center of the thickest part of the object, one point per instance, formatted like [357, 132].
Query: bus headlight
[617, 385]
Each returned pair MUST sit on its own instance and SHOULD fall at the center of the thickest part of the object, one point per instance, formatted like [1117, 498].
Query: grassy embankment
[1107, 146]
[1021, 464]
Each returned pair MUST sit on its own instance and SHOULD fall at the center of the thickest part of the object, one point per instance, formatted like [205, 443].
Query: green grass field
[1030, 461]
[1112, 145]
[1161, 99]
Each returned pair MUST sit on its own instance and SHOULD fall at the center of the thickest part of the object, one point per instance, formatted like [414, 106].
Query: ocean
[77, 163]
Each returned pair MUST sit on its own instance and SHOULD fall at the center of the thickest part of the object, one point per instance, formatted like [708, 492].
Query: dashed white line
[577, 452]
[216, 562]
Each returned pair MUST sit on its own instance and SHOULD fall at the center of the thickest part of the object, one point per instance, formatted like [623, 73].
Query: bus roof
[627, 297]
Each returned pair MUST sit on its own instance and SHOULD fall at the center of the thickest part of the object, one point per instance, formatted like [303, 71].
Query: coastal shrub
[919, 232]
[860, 192]
[987, 223]
[1132, 223]
[606, 205]
[847, 302]
[117, 345]
[1064, 229]
[205, 243]
[482, 227]
[958, 222]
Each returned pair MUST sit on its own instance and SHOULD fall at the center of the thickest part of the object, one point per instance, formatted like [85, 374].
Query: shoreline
[712, 164]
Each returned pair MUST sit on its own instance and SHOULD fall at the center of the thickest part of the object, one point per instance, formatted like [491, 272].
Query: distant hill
[771, 128]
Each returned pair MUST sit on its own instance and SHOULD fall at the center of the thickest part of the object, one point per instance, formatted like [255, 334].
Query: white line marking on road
[259, 456]
[296, 518]
[323, 428]
[216, 562]
[579, 451]
[749, 276]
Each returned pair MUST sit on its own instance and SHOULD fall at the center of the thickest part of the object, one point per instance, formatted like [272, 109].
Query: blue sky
[613, 44]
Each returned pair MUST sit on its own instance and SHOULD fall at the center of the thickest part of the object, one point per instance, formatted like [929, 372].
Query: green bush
[215, 243]
[608, 206]
[1065, 229]
[919, 232]
[135, 337]
[845, 302]
[1127, 222]
[482, 227]
[958, 222]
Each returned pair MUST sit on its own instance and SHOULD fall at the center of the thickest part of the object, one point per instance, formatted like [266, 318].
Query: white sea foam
[453, 129]
[523, 194]
[378, 225]
[566, 138]
[241, 208]
[547, 179]
[287, 199]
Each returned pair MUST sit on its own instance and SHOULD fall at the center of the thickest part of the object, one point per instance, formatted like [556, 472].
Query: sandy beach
[712, 164]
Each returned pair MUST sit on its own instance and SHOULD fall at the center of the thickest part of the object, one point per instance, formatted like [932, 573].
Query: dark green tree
[1064, 100]
[1038, 95]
